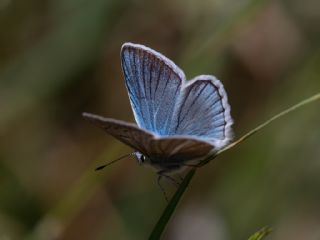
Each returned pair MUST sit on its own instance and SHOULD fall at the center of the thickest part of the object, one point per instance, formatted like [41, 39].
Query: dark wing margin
[128, 133]
[203, 111]
[153, 83]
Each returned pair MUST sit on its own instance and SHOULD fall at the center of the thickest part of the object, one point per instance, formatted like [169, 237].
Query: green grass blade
[261, 234]
[285, 112]
[166, 215]
[168, 211]
[261, 126]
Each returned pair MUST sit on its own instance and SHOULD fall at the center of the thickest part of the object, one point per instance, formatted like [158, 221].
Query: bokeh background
[59, 58]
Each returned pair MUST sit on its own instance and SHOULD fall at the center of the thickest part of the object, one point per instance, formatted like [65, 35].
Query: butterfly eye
[142, 158]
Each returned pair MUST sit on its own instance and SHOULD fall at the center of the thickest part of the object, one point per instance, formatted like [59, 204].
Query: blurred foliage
[60, 58]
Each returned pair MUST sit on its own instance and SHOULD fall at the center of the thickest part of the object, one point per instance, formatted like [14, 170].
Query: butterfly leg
[192, 165]
[162, 188]
[181, 178]
[162, 173]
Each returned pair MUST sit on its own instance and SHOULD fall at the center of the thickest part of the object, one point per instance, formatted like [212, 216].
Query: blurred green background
[59, 58]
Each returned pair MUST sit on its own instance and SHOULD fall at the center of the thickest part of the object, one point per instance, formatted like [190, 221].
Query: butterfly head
[141, 159]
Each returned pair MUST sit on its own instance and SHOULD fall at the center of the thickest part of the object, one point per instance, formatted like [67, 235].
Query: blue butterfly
[179, 122]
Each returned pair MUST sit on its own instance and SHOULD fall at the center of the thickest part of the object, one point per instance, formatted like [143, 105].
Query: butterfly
[179, 122]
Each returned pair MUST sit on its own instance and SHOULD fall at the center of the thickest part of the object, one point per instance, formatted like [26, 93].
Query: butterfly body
[156, 161]
[179, 122]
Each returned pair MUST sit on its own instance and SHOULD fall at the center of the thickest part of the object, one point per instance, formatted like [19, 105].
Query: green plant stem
[167, 213]
[165, 217]
[253, 131]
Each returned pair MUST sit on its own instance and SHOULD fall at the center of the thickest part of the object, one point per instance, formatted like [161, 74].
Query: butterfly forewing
[127, 133]
[154, 83]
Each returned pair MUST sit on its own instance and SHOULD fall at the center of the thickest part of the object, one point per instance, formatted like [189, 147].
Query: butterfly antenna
[109, 163]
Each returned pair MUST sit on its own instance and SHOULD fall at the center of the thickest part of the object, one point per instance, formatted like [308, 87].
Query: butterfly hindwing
[203, 111]
[165, 151]
[154, 83]
[168, 151]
